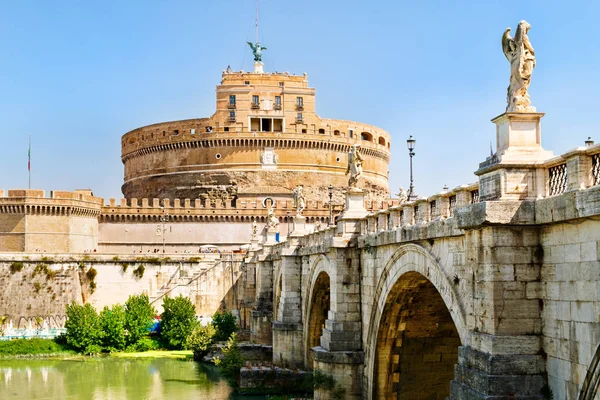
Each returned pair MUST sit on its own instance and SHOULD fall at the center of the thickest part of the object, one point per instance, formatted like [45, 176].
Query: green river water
[110, 378]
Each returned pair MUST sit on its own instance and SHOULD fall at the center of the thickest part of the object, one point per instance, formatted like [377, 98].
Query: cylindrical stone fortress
[265, 133]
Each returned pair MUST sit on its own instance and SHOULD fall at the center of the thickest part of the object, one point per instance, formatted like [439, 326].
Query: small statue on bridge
[254, 230]
[300, 200]
[402, 196]
[257, 50]
[354, 166]
[520, 54]
[272, 220]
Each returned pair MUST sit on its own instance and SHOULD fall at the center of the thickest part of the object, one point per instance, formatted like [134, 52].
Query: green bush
[30, 346]
[139, 315]
[147, 344]
[225, 324]
[113, 328]
[177, 321]
[231, 362]
[84, 331]
[200, 340]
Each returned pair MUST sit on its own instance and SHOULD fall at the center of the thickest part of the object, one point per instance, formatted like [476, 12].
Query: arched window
[322, 131]
[382, 140]
[336, 132]
[366, 136]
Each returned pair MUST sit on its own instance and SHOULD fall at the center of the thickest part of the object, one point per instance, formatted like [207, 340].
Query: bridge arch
[590, 389]
[415, 328]
[317, 305]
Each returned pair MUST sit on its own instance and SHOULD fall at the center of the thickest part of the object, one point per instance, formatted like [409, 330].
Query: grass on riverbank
[174, 354]
[32, 348]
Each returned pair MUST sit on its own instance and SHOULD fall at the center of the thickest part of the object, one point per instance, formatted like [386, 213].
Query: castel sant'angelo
[209, 180]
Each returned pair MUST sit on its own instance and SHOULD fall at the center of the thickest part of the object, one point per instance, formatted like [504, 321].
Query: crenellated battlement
[60, 203]
[206, 210]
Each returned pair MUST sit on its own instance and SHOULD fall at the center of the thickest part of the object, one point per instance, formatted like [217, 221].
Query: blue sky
[77, 75]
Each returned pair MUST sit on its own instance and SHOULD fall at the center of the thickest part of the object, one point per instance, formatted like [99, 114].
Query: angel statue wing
[251, 46]
[263, 48]
[508, 44]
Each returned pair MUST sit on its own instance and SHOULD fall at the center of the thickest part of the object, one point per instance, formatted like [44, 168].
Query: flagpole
[29, 161]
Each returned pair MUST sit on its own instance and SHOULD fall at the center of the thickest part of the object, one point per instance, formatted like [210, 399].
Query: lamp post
[410, 143]
[330, 188]
[164, 218]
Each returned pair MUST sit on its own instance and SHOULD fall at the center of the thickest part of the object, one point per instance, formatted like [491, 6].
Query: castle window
[336, 132]
[176, 132]
[232, 100]
[226, 129]
[351, 133]
[208, 129]
[382, 141]
[246, 82]
[280, 83]
[304, 130]
[278, 102]
[218, 156]
[366, 136]
[231, 116]
[322, 131]
[299, 117]
[255, 101]
[193, 131]
[299, 103]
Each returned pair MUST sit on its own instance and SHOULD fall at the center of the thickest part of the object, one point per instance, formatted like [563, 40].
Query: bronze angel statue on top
[520, 54]
[257, 50]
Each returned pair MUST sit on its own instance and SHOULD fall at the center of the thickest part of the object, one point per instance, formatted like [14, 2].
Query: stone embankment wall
[42, 285]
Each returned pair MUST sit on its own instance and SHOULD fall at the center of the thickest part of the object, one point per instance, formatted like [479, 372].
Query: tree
[84, 332]
[200, 340]
[177, 321]
[112, 322]
[231, 362]
[225, 324]
[139, 315]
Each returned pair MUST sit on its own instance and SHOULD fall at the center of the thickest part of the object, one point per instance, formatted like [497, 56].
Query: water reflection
[110, 379]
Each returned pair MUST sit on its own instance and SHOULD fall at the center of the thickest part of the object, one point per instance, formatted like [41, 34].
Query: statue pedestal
[299, 226]
[519, 138]
[512, 173]
[258, 67]
[254, 243]
[354, 212]
[271, 237]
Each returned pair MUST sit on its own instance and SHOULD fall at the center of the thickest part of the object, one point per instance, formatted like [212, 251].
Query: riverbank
[33, 348]
[172, 354]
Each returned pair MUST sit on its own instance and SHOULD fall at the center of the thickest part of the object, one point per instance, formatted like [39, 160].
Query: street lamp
[164, 218]
[330, 188]
[410, 143]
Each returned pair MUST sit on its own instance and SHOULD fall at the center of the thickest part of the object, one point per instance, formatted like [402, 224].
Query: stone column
[287, 327]
[340, 353]
[262, 314]
[503, 358]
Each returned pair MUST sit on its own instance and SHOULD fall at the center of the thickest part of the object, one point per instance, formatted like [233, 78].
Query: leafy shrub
[84, 332]
[116, 258]
[225, 324]
[124, 267]
[16, 266]
[91, 274]
[113, 328]
[147, 344]
[139, 315]
[30, 346]
[231, 362]
[200, 340]
[177, 321]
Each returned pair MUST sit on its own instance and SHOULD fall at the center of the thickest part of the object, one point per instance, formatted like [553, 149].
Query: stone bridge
[487, 291]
